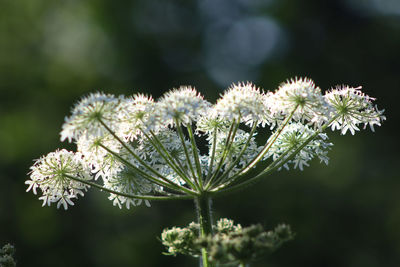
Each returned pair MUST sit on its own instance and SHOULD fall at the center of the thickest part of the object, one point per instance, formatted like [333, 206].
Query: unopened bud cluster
[230, 244]
[7, 256]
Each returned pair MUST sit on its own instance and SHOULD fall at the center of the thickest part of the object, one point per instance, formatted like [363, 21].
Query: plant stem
[223, 177]
[189, 161]
[203, 207]
[146, 197]
[195, 155]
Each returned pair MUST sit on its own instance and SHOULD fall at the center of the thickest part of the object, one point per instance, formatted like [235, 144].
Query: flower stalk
[204, 218]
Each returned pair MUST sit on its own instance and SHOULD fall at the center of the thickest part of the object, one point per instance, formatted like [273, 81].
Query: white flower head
[302, 95]
[95, 158]
[129, 182]
[50, 174]
[293, 136]
[87, 114]
[184, 105]
[211, 122]
[134, 116]
[244, 101]
[352, 108]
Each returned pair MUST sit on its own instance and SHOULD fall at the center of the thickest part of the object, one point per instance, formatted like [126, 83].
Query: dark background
[53, 52]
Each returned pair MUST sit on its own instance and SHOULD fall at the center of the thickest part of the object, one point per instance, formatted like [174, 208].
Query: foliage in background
[7, 256]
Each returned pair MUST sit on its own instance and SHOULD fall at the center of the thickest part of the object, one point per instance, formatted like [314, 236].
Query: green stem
[146, 197]
[203, 207]
[211, 162]
[176, 166]
[228, 169]
[189, 161]
[268, 144]
[259, 156]
[164, 181]
[195, 155]
[228, 144]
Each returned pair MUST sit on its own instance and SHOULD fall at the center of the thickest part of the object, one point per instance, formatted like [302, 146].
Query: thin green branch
[174, 160]
[145, 197]
[164, 182]
[195, 155]
[211, 163]
[227, 170]
[182, 137]
[228, 144]
[168, 158]
[151, 169]
[268, 145]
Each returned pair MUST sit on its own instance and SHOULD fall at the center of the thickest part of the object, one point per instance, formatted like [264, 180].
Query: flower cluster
[138, 149]
[229, 244]
[52, 175]
[352, 107]
[294, 136]
[301, 97]
[7, 256]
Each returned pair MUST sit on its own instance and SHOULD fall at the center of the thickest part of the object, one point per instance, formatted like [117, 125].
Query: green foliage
[7, 256]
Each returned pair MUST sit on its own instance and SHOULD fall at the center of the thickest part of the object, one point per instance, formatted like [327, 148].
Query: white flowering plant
[139, 150]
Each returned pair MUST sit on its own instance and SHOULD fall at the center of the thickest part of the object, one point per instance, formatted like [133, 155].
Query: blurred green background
[53, 52]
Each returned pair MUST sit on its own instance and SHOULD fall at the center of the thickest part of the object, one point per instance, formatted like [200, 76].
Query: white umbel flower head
[95, 158]
[352, 108]
[134, 116]
[244, 101]
[139, 150]
[86, 116]
[128, 182]
[184, 105]
[303, 94]
[294, 135]
[50, 174]
[211, 122]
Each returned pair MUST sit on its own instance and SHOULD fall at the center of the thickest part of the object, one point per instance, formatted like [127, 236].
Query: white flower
[184, 105]
[86, 116]
[303, 94]
[134, 116]
[291, 138]
[95, 158]
[129, 182]
[243, 101]
[353, 108]
[211, 122]
[50, 175]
